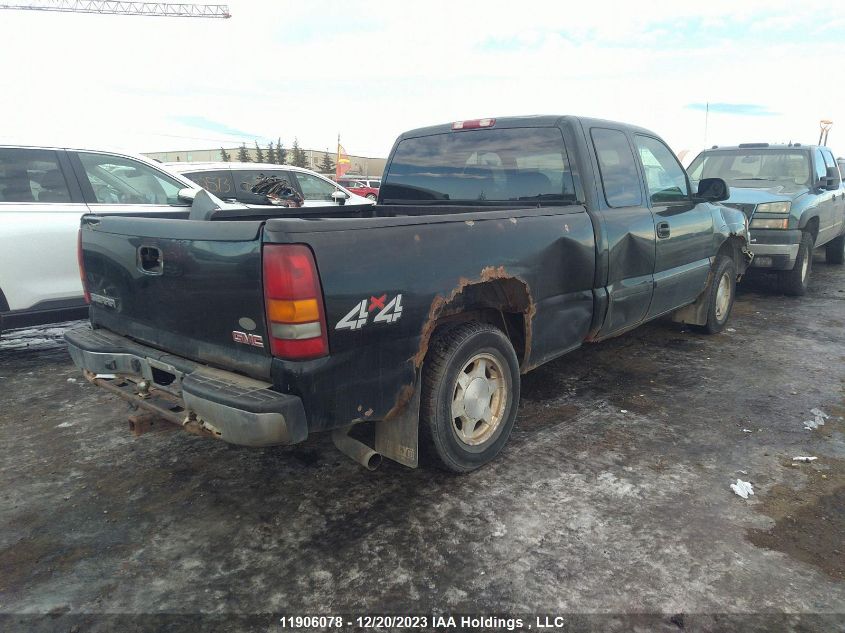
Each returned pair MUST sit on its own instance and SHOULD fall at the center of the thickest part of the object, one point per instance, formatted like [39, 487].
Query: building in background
[360, 165]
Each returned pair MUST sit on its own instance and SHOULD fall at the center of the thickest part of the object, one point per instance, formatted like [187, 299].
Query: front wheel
[834, 252]
[470, 396]
[794, 282]
[721, 294]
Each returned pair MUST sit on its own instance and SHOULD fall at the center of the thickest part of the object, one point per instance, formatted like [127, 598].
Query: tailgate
[187, 287]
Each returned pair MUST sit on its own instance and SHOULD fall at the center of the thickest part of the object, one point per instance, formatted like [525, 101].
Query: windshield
[750, 168]
[527, 164]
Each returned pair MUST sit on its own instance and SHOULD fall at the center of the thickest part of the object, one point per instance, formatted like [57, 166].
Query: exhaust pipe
[360, 452]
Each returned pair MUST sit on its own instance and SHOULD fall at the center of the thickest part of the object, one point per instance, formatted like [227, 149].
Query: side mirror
[713, 189]
[833, 178]
[340, 197]
[187, 194]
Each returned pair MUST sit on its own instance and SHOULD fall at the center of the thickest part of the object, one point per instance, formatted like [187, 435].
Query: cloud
[742, 109]
[202, 123]
[323, 70]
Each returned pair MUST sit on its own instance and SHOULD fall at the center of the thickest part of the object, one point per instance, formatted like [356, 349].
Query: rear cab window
[618, 168]
[31, 175]
[490, 165]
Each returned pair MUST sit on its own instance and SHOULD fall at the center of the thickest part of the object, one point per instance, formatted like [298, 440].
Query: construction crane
[162, 9]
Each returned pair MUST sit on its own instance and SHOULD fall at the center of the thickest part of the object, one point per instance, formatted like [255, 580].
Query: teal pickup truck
[794, 198]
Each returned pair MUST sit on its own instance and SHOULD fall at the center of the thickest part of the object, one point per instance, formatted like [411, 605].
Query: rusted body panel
[533, 263]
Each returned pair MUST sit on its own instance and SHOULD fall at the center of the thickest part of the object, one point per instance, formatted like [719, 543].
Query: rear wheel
[834, 252]
[470, 396]
[371, 196]
[722, 292]
[794, 282]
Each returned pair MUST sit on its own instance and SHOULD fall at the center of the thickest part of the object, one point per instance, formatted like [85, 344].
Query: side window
[245, 179]
[665, 178]
[821, 168]
[219, 182]
[31, 175]
[375, 184]
[619, 176]
[118, 180]
[314, 188]
[829, 161]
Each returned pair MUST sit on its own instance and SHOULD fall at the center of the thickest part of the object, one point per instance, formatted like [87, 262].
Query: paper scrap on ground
[742, 488]
[803, 458]
[819, 417]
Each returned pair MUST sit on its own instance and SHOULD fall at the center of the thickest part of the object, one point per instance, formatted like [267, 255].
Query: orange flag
[342, 163]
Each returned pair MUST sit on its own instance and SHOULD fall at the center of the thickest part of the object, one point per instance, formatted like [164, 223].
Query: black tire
[795, 282]
[450, 353]
[834, 252]
[719, 305]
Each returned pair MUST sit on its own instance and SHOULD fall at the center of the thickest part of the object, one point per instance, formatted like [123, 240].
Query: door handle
[663, 229]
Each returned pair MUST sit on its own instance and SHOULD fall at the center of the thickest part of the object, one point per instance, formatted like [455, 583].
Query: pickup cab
[403, 328]
[794, 199]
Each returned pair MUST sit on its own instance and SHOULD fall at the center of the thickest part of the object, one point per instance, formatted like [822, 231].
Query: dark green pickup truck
[794, 198]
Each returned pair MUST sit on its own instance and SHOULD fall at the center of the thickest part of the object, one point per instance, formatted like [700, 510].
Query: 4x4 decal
[357, 317]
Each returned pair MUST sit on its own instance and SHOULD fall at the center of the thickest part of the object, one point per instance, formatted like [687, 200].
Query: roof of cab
[539, 120]
[185, 167]
[765, 146]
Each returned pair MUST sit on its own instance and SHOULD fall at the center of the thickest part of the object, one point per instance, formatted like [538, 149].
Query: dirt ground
[611, 498]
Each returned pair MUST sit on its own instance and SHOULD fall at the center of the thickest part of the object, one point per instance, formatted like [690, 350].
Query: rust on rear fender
[493, 289]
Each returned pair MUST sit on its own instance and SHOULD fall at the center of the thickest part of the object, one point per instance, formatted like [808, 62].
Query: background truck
[794, 199]
[498, 245]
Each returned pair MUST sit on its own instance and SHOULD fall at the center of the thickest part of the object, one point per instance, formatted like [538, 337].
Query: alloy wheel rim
[723, 297]
[805, 267]
[479, 400]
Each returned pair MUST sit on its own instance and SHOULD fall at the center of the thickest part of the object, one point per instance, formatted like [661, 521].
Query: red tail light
[293, 299]
[81, 261]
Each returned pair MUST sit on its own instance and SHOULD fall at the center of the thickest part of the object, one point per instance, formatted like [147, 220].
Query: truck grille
[747, 209]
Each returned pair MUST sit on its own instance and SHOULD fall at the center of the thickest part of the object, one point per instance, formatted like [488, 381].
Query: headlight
[759, 223]
[774, 207]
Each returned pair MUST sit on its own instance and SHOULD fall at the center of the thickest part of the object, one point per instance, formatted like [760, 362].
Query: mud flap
[696, 312]
[397, 438]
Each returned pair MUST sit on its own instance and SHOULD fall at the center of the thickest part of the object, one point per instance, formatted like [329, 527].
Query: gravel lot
[611, 498]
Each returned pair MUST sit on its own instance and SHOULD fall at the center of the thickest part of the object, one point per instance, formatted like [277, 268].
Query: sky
[769, 70]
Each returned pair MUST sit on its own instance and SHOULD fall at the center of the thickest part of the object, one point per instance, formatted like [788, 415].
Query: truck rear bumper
[208, 401]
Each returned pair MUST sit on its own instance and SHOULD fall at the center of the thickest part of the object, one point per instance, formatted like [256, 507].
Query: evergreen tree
[243, 154]
[259, 154]
[224, 155]
[327, 164]
[271, 153]
[281, 153]
[298, 158]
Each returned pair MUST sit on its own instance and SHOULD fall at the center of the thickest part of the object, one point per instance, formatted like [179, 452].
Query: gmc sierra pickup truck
[497, 245]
